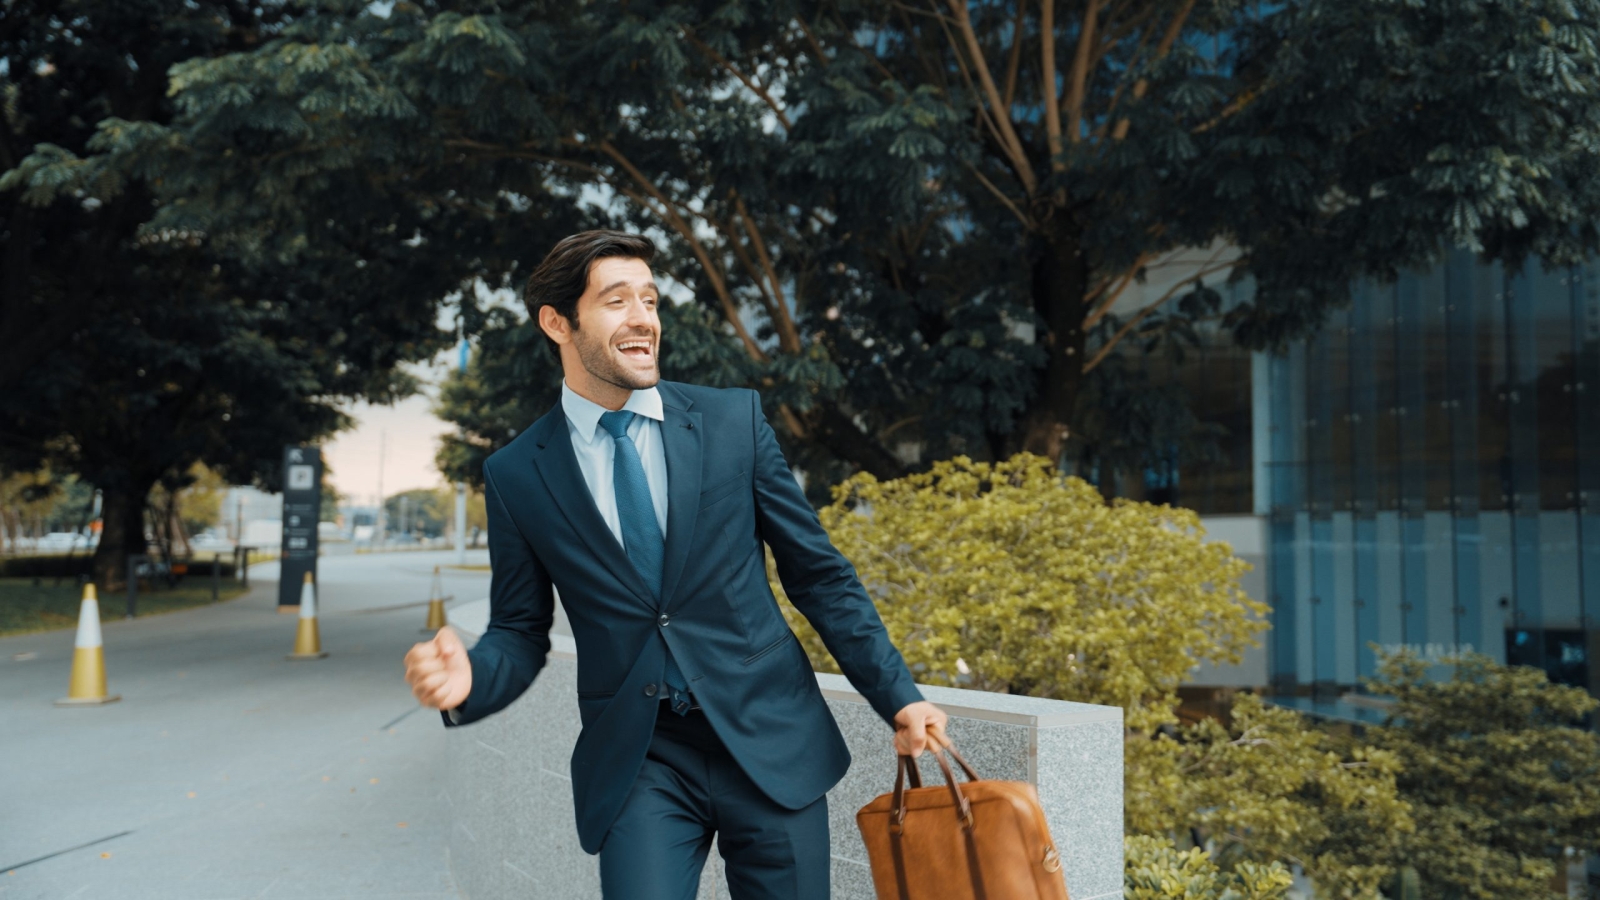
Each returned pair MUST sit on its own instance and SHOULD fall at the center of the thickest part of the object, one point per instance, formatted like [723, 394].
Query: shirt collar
[584, 414]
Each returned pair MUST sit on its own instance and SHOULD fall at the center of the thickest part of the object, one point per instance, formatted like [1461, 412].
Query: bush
[1499, 772]
[1157, 870]
[78, 565]
[1009, 577]
[58, 565]
[1271, 787]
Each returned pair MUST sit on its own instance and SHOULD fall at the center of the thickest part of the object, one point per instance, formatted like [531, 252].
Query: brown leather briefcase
[982, 840]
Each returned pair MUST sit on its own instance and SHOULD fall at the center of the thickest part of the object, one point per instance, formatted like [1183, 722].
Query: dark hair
[563, 276]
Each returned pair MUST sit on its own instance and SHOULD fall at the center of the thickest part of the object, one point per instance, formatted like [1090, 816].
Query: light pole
[461, 486]
[378, 528]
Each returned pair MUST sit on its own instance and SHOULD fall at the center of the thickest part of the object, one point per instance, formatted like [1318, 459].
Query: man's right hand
[438, 671]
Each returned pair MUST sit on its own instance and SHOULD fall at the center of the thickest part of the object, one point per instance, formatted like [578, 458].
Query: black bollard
[133, 582]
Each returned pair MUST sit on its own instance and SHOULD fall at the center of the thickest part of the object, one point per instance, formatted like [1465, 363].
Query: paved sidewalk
[227, 771]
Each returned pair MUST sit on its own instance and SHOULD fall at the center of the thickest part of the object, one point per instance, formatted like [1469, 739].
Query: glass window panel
[1343, 600]
[1496, 582]
[1432, 465]
[1493, 387]
[1586, 429]
[1386, 432]
[1553, 291]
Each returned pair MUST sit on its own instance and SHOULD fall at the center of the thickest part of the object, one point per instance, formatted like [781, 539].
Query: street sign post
[302, 505]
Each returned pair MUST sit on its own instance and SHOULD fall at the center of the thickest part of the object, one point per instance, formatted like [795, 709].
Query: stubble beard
[595, 355]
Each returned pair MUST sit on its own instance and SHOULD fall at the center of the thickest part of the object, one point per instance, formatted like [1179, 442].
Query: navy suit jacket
[729, 491]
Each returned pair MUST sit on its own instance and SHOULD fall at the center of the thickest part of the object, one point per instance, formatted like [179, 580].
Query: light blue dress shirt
[596, 451]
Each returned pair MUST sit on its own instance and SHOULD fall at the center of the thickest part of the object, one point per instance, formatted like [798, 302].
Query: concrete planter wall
[509, 790]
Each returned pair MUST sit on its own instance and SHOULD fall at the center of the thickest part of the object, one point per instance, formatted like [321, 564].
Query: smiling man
[646, 505]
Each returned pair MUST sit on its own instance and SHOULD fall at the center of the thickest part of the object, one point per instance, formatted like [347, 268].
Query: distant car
[61, 541]
[211, 543]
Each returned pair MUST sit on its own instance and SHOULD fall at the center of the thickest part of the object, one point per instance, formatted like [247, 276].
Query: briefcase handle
[907, 769]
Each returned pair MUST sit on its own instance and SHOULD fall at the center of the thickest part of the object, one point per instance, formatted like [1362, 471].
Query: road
[227, 771]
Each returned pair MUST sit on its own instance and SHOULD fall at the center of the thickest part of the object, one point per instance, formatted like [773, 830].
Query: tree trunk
[836, 430]
[1060, 282]
[121, 534]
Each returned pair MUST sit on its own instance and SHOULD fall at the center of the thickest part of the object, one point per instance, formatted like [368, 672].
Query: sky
[399, 441]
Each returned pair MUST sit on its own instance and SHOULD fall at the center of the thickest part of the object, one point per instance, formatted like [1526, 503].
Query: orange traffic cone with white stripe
[436, 598]
[87, 686]
[307, 640]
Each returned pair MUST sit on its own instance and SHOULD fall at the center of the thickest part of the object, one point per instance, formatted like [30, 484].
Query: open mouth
[640, 349]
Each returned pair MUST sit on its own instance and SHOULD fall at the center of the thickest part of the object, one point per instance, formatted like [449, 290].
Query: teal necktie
[641, 533]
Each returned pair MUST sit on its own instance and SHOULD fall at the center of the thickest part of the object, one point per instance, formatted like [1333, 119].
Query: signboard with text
[302, 505]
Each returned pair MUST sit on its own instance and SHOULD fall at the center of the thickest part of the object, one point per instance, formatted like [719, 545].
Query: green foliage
[1499, 772]
[1268, 787]
[908, 265]
[1157, 870]
[1008, 577]
[134, 342]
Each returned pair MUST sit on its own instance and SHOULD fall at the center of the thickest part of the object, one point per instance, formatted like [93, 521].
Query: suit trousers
[690, 788]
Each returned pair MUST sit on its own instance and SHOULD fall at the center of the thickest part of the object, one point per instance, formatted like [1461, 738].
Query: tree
[168, 349]
[1499, 771]
[1301, 144]
[916, 221]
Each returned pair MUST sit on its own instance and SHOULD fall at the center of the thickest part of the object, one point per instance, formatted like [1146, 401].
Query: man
[646, 505]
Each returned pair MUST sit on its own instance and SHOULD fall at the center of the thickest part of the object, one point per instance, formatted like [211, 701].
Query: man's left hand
[915, 725]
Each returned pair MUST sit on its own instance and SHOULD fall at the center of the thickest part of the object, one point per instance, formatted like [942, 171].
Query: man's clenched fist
[918, 724]
[438, 671]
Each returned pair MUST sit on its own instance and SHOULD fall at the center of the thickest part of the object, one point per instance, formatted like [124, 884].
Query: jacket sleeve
[513, 647]
[822, 584]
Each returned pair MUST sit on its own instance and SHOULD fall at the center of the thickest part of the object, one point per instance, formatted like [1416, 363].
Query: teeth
[629, 345]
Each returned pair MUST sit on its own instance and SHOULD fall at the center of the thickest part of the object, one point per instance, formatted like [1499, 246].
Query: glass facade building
[1431, 462]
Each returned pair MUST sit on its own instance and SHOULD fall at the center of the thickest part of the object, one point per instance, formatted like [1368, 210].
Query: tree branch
[963, 21]
[1147, 310]
[1174, 29]
[1015, 60]
[1000, 195]
[788, 335]
[730, 309]
[1080, 71]
[1047, 68]
[1122, 283]
[754, 86]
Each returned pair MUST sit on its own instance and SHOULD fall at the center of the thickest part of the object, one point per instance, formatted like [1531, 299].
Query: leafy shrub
[1269, 787]
[1157, 870]
[1009, 577]
[1499, 772]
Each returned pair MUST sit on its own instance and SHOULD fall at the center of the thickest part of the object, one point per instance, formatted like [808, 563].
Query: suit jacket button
[662, 621]
[649, 690]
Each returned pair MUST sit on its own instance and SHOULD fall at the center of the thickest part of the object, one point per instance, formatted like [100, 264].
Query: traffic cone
[88, 684]
[436, 619]
[307, 641]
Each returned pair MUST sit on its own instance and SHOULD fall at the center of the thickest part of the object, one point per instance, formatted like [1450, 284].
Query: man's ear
[555, 325]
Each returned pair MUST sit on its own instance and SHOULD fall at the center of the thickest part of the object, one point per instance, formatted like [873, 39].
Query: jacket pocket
[596, 695]
[722, 489]
[787, 636]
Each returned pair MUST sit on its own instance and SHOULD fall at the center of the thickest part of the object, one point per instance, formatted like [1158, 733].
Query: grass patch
[28, 607]
[469, 568]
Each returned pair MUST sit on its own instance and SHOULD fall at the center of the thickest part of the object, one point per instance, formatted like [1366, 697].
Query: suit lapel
[681, 437]
[558, 466]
